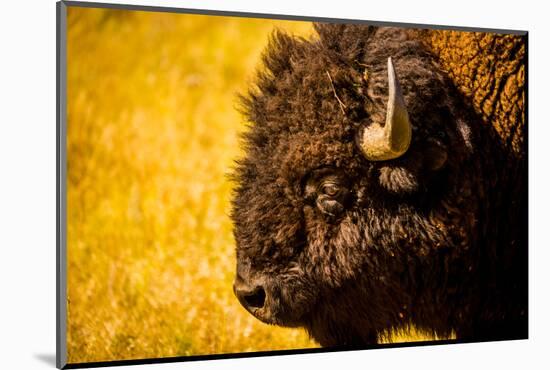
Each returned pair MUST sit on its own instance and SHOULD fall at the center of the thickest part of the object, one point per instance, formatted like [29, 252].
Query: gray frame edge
[61, 188]
[150, 8]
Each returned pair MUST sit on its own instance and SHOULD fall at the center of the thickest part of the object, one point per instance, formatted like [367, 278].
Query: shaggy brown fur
[352, 249]
[489, 69]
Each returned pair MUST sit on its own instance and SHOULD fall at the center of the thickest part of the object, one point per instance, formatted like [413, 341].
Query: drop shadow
[47, 358]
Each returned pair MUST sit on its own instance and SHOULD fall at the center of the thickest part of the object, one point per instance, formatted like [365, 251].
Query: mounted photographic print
[235, 185]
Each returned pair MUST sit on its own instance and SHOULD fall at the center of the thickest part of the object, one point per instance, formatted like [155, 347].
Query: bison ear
[413, 174]
[399, 179]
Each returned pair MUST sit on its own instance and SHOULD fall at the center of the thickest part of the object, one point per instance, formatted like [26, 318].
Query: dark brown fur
[435, 238]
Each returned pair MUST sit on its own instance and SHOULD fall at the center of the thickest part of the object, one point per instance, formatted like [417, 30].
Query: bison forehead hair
[331, 239]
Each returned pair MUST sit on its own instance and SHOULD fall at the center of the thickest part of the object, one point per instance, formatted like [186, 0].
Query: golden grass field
[152, 134]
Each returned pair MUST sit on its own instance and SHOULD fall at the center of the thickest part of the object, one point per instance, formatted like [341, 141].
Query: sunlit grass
[152, 134]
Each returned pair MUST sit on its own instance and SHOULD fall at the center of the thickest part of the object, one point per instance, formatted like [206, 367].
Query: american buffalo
[383, 185]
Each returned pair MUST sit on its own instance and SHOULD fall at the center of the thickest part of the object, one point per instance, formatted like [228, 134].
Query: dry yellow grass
[152, 133]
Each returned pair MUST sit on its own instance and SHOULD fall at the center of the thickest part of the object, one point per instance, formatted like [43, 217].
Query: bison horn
[393, 139]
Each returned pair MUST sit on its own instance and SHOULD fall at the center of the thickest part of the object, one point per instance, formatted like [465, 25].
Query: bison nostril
[256, 298]
[250, 298]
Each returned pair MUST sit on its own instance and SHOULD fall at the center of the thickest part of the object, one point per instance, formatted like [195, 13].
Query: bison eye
[331, 196]
[330, 189]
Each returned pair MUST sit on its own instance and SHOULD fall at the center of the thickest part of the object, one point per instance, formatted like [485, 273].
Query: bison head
[354, 181]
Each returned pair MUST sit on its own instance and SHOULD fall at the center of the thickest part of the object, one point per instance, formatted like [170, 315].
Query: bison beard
[352, 245]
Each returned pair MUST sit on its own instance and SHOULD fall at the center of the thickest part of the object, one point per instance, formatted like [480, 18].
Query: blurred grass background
[152, 134]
